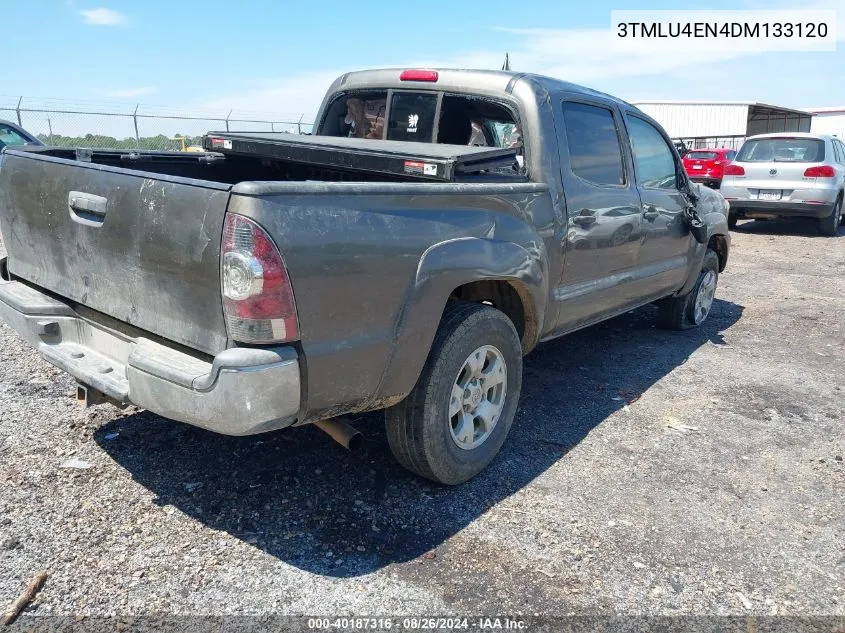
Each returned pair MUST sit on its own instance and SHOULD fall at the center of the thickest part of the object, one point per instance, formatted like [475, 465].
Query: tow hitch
[88, 397]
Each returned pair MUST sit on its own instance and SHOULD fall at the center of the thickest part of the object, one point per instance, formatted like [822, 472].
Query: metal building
[723, 124]
[829, 121]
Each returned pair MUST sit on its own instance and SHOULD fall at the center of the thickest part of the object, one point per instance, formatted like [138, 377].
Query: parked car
[605, 227]
[382, 263]
[12, 134]
[707, 165]
[787, 175]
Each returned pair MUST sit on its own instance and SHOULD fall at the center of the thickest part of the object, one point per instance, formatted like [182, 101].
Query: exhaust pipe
[341, 432]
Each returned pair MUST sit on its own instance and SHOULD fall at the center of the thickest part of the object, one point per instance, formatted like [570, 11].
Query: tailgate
[142, 248]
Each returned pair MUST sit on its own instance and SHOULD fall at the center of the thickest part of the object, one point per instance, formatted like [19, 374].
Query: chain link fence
[110, 126]
[119, 126]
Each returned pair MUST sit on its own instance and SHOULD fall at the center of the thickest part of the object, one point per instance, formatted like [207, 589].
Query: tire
[830, 225]
[422, 435]
[732, 220]
[682, 312]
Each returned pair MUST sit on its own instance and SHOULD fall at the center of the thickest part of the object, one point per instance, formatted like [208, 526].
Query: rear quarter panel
[372, 266]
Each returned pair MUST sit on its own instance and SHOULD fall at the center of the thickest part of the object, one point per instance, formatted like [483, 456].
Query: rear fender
[443, 268]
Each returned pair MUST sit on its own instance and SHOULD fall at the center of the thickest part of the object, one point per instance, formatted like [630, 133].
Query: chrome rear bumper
[241, 392]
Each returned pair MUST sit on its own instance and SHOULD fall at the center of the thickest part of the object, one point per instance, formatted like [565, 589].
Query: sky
[277, 58]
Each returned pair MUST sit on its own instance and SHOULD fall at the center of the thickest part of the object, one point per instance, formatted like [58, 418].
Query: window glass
[412, 117]
[782, 149]
[593, 142]
[841, 148]
[654, 163]
[699, 155]
[730, 155]
[356, 115]
[464, 119]
[8, 136]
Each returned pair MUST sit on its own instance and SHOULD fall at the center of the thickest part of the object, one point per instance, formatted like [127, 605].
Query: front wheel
[830, 225]
[457, 416]
[691, 309]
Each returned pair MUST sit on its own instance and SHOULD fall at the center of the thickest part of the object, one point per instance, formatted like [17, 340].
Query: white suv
[787, 174]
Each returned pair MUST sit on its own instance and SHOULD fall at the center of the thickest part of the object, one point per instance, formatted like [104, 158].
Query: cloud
[128, 93]
[286, 99]
[588, 56]
[104, 17]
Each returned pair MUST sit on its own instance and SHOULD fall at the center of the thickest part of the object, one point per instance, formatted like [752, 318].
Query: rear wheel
[457, 416]
[691, 309]
[830, 225]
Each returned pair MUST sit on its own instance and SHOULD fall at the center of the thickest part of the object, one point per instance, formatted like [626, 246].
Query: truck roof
[460, 80]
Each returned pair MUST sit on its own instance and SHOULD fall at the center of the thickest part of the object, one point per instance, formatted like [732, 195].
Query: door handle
[86, 209]
[650, 212]
[583, 220]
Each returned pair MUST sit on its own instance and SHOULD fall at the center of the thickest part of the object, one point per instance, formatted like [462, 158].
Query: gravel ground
[675, 473]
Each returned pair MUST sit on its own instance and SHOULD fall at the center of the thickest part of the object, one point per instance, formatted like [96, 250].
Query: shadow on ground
[803, 227]
[300, 497]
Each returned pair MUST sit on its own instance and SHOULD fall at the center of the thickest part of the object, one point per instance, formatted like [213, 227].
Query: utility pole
[135, 121]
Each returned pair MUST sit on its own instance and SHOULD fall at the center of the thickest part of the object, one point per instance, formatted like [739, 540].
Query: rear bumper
[699, 176]
[243, 391]
[769, 208]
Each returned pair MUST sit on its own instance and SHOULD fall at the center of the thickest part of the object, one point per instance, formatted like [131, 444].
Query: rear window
[782, 149]
[463, 119]
[702, 155]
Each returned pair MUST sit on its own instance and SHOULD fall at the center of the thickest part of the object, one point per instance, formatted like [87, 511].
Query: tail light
[733, 169]
[822, 171]
[418, 75]
[258, 301]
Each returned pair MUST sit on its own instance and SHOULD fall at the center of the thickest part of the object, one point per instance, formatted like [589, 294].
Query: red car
[707, 165]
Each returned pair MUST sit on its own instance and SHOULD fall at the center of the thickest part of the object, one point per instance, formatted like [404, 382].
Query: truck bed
[136, 236]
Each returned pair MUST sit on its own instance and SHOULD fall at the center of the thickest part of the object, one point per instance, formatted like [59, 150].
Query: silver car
[787, 174]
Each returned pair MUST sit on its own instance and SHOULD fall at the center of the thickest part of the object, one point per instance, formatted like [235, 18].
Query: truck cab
[618, 186]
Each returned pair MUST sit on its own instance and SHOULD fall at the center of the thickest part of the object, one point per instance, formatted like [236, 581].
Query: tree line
[159, 142]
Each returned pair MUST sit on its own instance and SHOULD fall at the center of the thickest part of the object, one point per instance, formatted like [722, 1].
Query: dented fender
[713, 210]
[445, 267]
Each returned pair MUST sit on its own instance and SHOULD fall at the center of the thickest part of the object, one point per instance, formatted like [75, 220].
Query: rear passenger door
[604, 226]
[667, 243]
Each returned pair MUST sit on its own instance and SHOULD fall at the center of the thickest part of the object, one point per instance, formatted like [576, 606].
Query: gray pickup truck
[245, 292]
